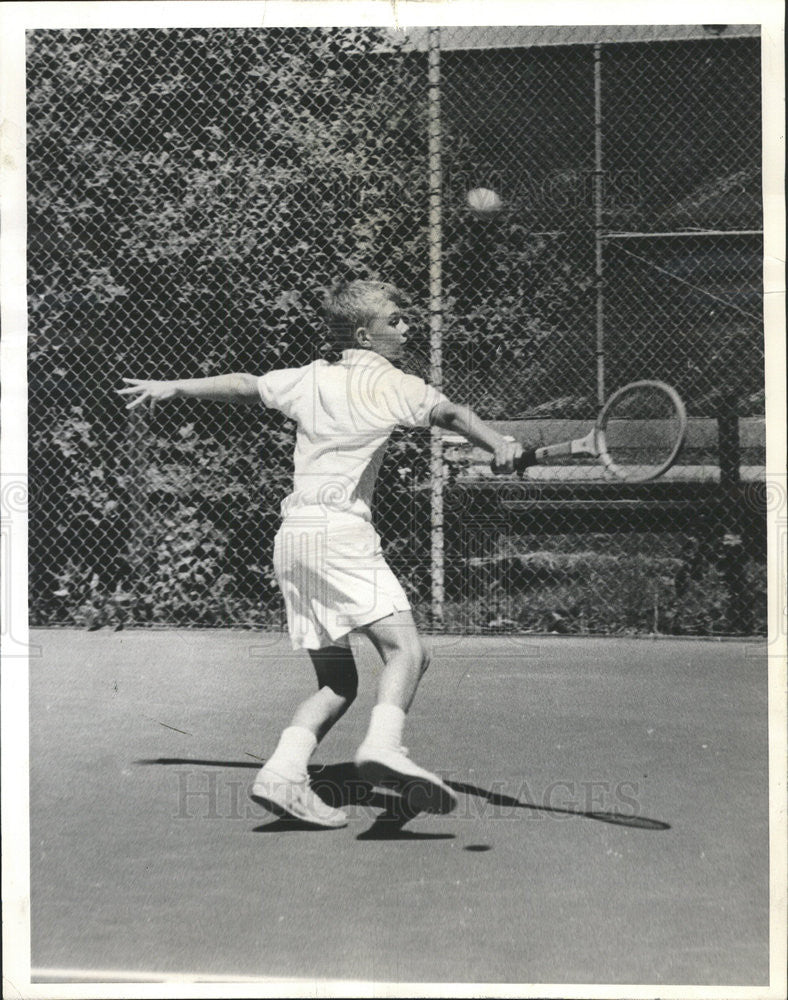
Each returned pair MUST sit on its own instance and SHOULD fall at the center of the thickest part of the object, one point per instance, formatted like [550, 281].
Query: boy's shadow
[341, 786]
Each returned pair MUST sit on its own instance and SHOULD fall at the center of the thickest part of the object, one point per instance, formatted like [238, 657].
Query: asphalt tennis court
[612, 826]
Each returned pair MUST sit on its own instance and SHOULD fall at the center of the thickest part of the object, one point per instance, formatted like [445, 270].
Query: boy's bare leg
[337, 682]
[381, 759]
[405, 658]
[282, 785]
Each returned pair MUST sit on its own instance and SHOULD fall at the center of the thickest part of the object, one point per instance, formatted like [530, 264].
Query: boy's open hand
[143, 390]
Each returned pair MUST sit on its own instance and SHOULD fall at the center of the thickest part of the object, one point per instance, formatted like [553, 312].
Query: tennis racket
[638, 434]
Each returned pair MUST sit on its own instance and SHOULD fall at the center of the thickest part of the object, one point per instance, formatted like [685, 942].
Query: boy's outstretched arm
[235, 388]
[462, 420]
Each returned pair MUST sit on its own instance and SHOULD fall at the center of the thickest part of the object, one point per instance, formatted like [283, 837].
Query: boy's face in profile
[386, 334]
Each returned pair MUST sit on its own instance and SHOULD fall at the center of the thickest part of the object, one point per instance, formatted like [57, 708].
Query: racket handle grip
[527, 459]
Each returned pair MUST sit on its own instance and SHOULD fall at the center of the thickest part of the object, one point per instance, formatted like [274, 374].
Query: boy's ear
[361, 336]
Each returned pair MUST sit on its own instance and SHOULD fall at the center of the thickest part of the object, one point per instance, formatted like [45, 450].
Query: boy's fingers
[130, 388]
[134, 381]
[506, 456]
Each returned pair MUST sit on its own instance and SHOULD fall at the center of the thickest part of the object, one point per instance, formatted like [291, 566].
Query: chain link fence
[192, 194]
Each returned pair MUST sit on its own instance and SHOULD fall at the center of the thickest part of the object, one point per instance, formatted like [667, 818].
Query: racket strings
[641, 431]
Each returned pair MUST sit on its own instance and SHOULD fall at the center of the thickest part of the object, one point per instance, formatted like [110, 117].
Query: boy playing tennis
[327, 555]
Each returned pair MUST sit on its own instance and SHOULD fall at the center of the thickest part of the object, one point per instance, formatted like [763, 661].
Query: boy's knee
[415, 652]
[419, 655]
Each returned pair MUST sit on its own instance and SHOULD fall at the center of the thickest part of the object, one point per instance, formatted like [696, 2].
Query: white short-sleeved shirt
[345, 413]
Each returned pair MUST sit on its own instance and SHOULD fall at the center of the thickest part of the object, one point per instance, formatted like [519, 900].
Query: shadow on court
[340, 786]
[618, 819]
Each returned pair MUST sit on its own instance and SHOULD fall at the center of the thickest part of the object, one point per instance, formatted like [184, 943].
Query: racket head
[640, 431]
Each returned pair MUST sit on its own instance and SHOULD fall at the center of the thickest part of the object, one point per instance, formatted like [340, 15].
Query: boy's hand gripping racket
[637, 436]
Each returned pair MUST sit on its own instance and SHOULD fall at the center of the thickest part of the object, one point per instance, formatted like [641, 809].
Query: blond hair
[351, 304]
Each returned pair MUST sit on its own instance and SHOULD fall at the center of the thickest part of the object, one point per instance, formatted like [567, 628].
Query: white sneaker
[390, 767]
[284, 797]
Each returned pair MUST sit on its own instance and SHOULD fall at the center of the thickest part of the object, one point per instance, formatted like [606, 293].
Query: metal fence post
[137, 442]
[598, 224]
[436, 323]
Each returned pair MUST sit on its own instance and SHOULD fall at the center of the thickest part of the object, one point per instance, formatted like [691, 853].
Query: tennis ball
[484, 201]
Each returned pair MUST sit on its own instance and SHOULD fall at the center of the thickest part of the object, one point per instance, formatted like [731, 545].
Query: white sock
[385, 726]
[296, 745]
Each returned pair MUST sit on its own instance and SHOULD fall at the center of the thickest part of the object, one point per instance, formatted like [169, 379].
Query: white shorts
[333, 578]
